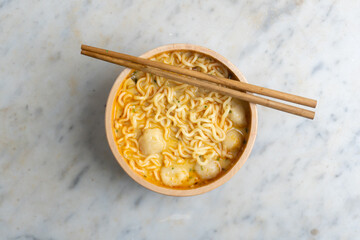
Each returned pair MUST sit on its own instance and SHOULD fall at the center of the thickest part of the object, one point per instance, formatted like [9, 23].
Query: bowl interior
[164, 190]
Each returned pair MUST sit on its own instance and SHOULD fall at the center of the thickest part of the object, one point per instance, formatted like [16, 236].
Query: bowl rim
[164, 190]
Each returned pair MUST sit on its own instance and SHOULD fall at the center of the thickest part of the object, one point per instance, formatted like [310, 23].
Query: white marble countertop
[59, 180]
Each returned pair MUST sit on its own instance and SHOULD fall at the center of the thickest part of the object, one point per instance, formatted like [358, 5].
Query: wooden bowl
[169, 191]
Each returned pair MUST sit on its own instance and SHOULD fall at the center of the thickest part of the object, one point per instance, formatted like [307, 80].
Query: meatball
[238, 113]
[208, 171]
[174, 176]
[233, 140]
[151, 141]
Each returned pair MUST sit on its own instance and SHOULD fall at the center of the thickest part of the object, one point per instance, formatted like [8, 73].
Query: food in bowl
[176, 135]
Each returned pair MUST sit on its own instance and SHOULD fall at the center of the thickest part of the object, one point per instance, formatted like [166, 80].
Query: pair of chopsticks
[227, 86]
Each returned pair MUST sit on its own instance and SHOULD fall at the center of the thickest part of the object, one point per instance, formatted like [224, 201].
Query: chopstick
[220, 80]
[157, 68]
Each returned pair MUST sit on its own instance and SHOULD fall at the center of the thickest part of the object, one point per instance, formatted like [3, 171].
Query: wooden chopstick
[203, 84]
[211, 78]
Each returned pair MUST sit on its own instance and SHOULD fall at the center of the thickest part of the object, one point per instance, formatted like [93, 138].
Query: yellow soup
[177, 135]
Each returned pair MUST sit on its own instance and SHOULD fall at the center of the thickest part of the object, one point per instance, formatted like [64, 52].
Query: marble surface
[59, 180]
